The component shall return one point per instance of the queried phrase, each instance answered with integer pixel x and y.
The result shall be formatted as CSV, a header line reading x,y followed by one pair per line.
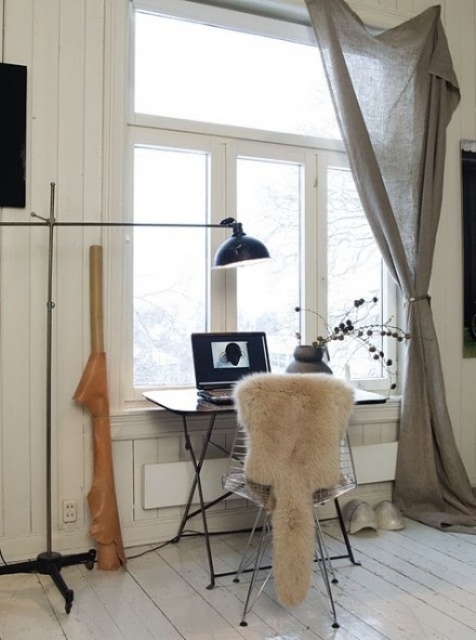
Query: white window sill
x,y
147,421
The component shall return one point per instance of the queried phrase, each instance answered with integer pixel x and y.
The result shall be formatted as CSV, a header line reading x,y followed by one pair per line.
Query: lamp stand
x,y
237,249
50,562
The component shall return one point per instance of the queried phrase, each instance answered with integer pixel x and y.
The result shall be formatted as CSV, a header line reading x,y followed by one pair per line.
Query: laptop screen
x,y
221,359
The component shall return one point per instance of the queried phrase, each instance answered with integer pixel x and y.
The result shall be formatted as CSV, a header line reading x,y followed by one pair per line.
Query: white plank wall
x,y
73,122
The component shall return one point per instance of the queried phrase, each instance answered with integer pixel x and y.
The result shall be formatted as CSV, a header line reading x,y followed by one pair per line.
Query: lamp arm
x,y
56,223
180,225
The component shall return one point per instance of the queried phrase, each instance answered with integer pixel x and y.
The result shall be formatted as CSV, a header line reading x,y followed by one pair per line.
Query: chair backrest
x,y
289,451
234,479
293,423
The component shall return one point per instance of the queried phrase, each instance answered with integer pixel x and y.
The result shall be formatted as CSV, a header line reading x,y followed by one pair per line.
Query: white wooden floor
x,y
417,583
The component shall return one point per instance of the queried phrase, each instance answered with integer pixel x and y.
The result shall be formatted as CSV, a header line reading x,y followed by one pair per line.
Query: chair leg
x,y
247,557
325,567
263,543
323,560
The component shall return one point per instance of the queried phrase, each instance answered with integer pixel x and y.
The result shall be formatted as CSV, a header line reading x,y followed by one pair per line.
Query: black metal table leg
x,y
197,486
350,552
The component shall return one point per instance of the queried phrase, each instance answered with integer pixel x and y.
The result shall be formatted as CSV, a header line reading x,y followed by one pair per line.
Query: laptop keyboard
x,y
219,396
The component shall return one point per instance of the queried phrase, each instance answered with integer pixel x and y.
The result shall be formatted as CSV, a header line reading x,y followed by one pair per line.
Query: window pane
x,y
170,265
211,74
270,205
213,77
354,271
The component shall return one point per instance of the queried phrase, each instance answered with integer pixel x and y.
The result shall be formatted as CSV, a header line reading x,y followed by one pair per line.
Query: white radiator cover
x,y
167,484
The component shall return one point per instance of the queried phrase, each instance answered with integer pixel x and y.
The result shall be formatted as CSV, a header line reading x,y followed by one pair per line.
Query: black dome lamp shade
x,y
239,249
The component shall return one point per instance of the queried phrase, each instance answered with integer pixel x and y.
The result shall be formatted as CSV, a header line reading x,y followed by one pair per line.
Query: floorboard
x,y
412,584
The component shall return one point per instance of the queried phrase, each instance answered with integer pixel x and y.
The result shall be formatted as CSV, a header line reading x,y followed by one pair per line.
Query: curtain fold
x,y
394,95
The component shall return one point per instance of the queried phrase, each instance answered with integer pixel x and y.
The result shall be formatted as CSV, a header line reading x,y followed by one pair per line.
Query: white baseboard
x,y
156,531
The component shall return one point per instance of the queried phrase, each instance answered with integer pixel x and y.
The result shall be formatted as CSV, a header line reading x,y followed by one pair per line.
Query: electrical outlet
x,y
70,510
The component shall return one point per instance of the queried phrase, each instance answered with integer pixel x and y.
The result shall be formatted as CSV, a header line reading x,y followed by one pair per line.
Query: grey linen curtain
x,y
394,95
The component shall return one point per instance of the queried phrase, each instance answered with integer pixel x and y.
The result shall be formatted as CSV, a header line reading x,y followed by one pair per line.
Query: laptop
x,y
221,359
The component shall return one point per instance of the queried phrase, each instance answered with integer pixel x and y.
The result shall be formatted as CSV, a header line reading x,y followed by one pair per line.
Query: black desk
x,y
185,403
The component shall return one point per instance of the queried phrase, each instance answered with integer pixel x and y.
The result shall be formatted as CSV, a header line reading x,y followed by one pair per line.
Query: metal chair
x,y
237,478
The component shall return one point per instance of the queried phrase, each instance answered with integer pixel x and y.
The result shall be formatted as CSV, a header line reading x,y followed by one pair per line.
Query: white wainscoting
x,y
153,473
162,470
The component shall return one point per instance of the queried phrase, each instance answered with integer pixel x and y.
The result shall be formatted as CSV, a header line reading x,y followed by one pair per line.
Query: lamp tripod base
x,y
50,563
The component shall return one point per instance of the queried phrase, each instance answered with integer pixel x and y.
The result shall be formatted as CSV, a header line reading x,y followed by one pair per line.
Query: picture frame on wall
x,y
13,96
468,182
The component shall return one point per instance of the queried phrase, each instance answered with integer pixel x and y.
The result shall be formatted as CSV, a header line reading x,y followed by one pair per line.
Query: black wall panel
x,y
12,135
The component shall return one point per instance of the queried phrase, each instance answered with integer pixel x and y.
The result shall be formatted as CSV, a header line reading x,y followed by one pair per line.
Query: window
x,y
231,117
222,74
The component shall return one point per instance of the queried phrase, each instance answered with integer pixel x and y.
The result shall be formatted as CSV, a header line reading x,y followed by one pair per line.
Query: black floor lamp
x,y
237,249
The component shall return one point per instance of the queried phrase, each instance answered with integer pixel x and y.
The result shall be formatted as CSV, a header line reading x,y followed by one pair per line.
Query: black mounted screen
x,y
12,135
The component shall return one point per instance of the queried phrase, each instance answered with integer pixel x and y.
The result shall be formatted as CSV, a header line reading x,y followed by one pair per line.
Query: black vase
x,y
308,359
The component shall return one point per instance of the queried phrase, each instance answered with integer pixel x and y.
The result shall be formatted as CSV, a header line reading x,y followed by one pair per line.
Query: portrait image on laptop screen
x,y
230,354
221,359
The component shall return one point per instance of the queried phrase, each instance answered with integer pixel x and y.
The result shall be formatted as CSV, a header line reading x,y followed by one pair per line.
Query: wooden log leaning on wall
x,y
92,392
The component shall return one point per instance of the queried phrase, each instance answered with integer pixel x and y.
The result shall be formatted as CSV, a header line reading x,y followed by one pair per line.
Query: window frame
x,y
118,192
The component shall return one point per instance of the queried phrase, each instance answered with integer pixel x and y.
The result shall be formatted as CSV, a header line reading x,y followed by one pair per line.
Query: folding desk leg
x,y
197,485
350,552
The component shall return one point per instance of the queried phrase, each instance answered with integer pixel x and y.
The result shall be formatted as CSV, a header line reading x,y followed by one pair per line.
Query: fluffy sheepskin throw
x,y
294,423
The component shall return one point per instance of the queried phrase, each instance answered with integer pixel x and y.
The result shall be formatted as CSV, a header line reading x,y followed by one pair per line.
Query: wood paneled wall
x,y
65,44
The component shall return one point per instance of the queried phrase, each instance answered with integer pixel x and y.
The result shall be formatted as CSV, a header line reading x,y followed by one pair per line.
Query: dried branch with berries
x,y
355,324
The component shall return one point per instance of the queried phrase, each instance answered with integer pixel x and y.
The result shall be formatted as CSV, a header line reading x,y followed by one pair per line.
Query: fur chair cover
x,y
294,423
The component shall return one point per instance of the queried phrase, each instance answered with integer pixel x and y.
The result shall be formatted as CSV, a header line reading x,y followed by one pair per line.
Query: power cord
x,y
188,533
143,553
